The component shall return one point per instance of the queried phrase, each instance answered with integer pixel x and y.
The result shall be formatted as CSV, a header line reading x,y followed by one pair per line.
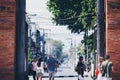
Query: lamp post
x,y
94,60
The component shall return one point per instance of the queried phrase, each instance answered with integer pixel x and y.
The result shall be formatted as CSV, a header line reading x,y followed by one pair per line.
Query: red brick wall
x,y
7,39
113,34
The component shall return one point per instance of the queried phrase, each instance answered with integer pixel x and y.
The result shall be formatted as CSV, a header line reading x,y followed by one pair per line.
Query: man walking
x,y
107,68
52,67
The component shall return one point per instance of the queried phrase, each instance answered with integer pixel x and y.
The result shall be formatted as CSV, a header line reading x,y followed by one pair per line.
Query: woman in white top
x,y
34,67
37,71
40,71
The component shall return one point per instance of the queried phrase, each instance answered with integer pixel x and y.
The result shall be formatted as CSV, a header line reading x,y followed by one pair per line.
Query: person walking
x,y
51,67
37,71
40,70
80,68
34,67
107,68
99,76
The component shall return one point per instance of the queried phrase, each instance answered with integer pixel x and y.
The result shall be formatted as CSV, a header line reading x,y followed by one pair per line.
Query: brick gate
x,y
12,38
113,34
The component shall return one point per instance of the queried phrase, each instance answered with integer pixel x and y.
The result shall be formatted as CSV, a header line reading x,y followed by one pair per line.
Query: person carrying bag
x,y
107,68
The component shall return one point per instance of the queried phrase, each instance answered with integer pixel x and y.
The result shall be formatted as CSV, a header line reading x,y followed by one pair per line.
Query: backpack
x,y
30,67
104,70
76,69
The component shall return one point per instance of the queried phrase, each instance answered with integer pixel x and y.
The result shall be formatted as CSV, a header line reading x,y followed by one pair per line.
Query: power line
x,y
83,15
64,34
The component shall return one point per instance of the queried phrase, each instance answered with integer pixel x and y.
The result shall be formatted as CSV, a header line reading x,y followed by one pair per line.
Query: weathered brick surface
x,y
113,34
7,39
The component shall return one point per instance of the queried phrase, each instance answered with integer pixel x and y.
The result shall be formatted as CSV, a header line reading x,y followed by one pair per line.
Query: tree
x,y
80,50
79,15
90,43
58,48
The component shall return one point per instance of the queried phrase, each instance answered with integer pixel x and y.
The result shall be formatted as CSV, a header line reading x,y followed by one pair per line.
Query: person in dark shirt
x,y
80,68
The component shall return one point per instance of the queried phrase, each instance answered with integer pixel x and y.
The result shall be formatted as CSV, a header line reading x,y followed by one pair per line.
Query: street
x,y
65,72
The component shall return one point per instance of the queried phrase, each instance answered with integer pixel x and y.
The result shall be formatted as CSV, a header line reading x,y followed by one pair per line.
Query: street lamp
x,y
94,60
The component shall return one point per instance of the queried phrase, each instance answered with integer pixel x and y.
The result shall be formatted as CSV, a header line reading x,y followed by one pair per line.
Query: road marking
x,y
65,76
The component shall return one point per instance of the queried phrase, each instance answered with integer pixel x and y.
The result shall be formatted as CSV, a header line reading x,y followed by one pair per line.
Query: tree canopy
x,y
79,15
58,48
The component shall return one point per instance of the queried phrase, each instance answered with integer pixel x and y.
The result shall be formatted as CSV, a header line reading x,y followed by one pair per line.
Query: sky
x,y
43,20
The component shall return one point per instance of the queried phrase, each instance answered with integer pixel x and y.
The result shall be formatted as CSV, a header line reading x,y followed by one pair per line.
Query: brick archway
x,y
113,34
12,40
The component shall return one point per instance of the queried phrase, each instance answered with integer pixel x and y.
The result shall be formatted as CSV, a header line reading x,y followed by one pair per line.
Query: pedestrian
x,y
107,68
40,70
51,67
99,70
34,67
80,68
39,73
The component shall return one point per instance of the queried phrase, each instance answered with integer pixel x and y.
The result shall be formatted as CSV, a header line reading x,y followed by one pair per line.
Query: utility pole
x,y
95,45
85,45
43,49
38,45
100,28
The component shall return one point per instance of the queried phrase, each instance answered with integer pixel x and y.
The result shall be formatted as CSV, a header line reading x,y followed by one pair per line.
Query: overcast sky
x,y
43,20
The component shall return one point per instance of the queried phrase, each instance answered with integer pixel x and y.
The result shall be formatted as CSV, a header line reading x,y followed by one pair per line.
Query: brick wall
x,y
7,39
113,34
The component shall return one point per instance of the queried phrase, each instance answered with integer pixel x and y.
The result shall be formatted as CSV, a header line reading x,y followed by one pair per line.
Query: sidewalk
x,y
87,76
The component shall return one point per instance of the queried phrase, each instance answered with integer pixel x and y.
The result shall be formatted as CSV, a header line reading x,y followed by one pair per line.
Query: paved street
x,y
65,72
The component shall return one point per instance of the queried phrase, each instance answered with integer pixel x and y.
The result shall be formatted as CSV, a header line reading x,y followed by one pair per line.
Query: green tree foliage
x,y
90,43
79,15
29,56
58,48
80,49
